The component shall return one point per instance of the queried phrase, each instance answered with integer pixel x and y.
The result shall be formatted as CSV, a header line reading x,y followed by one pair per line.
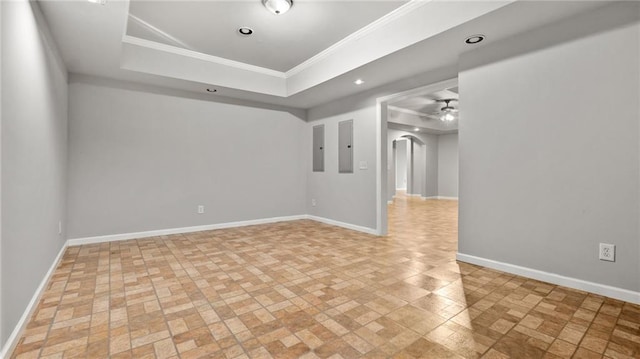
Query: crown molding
x,y
394,15
132,40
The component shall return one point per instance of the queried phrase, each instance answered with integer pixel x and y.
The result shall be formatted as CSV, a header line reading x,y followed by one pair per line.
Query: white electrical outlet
x,y
607,252
313,202
200,209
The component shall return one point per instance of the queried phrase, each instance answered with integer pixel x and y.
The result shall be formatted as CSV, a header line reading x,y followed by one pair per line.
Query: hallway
x,y
431,225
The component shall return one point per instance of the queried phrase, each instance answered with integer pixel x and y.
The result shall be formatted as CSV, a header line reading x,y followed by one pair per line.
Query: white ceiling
x,y
415,38
279,42
428,104
423,111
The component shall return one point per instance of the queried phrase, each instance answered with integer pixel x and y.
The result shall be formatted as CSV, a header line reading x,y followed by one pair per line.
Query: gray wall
x,y
552,168
345,197
417,168
448,165
34,157
144,161
401,164
352,198
431,183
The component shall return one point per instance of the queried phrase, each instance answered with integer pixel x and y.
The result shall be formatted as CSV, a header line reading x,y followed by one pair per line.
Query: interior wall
x,y
401,164
448,165
2,340
391,171
417,164
337,195
552,168
143,161
354,200
34,156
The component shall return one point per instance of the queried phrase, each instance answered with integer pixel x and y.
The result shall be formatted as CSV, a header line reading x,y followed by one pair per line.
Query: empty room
x,y
319,179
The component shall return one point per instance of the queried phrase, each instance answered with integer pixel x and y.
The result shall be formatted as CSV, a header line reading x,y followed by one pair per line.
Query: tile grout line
x,y
57,306
155,292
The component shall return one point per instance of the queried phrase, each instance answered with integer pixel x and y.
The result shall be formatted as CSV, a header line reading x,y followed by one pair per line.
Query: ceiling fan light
x,y
447,117
278,7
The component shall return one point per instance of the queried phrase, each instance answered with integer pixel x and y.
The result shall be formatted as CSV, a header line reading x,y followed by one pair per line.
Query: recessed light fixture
x,y
212,90
358,81
416,129
474,39
278,7
101,2
245,31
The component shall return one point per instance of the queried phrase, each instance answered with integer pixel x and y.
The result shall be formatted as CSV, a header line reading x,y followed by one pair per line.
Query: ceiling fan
x,y
447,113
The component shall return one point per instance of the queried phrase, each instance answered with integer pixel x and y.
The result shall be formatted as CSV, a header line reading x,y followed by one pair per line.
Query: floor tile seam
x,y
124,293
609,336
44,342
155,290
109,303
93,303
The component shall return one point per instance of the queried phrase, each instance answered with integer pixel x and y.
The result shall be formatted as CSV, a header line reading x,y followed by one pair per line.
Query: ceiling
x,y
279,42
423,112
306,57
428,104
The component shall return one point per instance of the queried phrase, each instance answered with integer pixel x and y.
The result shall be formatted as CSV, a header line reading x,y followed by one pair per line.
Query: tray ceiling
x,y
300,59
279,42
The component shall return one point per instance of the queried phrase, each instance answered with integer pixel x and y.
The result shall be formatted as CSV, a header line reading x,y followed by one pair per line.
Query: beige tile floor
x,y
310,290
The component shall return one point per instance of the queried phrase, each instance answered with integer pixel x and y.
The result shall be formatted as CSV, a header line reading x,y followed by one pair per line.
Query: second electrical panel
x,y
345,146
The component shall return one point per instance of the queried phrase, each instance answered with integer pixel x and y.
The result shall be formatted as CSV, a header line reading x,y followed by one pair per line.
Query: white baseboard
x,y
344,225
596,288
209,227
169,231
441,197
13,339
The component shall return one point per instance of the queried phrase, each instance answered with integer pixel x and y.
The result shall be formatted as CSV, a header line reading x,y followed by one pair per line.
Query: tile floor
x,y
309,290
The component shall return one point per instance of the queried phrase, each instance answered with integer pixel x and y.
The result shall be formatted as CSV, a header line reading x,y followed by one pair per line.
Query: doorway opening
x,y
407,163
417,151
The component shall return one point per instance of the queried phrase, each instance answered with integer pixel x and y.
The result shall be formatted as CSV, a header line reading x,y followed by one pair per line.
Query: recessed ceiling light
x,y
245,31
101,2
278,7
474,39
358,81
416,129
212,90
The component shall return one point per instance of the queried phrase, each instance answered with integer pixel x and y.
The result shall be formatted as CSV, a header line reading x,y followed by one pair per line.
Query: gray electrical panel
x,y
318,148
345,146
